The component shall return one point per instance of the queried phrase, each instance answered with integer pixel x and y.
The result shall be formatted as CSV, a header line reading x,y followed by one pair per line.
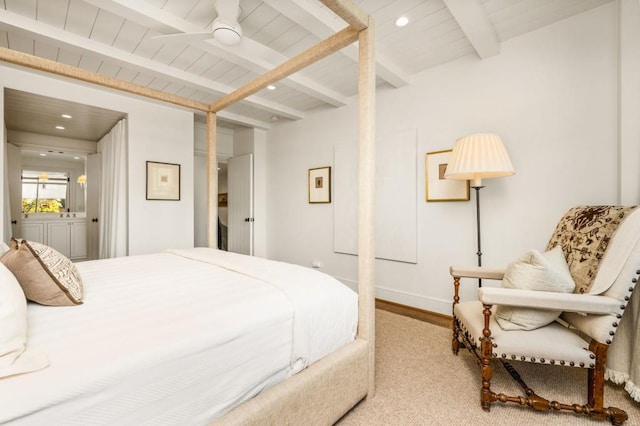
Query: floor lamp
x,y
476,157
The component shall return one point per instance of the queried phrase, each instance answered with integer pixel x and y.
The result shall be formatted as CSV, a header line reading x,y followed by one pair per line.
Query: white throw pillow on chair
x,y
546,271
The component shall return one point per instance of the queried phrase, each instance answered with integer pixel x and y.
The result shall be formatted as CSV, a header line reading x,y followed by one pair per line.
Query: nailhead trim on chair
x,y
466,333
543,361
615,324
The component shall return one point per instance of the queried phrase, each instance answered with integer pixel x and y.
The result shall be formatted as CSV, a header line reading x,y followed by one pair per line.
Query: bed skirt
x,y
320,394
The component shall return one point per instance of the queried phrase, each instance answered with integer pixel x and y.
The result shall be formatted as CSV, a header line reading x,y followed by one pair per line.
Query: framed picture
x,y
320,185
163,181
441,189
222,200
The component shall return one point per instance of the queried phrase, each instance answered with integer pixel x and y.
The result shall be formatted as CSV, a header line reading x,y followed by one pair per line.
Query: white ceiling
x,y
115,38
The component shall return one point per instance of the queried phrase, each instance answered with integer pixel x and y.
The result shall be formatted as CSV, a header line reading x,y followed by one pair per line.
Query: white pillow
x,y
15,358
3,248
534,271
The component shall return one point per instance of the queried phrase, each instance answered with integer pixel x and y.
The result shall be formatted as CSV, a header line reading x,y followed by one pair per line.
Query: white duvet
x,y
176,338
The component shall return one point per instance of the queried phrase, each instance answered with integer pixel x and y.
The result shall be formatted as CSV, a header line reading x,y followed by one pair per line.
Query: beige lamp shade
x,y
43,177
479,156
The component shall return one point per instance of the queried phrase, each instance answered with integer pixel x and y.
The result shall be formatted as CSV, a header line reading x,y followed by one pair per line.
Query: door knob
x,y
14,222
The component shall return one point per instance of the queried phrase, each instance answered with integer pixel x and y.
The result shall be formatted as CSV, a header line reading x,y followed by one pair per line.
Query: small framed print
x,y
320,185
222,199
437,187
163,181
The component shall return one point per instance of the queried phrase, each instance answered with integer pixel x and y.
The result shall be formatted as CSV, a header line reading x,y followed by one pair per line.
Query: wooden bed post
x,y
212,181
366,200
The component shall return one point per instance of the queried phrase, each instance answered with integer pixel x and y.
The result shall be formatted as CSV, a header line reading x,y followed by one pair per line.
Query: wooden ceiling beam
x,y
308,57
349,12
249,54
64,70
322,22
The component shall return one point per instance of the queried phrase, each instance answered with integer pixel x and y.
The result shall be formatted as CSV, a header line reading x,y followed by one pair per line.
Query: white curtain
x,y
113,192
7,200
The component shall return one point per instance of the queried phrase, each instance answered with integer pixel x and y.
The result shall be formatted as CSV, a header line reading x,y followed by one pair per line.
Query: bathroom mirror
x,y
52,182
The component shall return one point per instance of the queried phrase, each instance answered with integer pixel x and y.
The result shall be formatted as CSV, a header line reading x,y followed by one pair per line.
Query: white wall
x,y
157,132
629,87
550,94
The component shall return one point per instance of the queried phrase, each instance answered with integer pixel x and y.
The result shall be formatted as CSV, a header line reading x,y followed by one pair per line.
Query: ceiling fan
x,y
225,28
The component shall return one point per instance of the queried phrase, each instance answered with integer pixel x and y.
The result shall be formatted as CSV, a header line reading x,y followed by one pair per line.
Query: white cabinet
x,y
78,240
58,237
69,237
33,231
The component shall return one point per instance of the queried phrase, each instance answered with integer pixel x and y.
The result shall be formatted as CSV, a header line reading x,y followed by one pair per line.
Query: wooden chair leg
x,y
455,343
595,377
595,388
486,348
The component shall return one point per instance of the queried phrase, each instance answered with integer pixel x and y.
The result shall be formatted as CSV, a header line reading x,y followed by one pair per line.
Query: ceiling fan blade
x,y
228,11
184,37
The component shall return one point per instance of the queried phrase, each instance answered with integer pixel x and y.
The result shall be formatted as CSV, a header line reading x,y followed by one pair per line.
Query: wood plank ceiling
x,y
116,38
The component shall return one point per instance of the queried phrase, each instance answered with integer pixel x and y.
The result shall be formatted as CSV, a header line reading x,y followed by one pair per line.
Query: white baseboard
x,y
430,304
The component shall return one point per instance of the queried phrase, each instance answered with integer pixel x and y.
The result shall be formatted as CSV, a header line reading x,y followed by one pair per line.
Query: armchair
x,y
602,247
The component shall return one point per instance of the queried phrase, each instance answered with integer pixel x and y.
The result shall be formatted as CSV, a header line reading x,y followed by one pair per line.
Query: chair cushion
x,y
534,271
530,346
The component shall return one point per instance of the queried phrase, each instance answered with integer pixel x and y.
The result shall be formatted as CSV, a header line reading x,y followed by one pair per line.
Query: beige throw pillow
x,y
14,356
46,276
534,271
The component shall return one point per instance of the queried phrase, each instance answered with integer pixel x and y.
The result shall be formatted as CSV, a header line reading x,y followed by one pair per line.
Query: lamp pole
x,y
479,252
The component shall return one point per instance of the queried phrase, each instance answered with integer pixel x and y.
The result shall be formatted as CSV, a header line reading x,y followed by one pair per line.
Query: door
x,y
240,204
14,162
94,171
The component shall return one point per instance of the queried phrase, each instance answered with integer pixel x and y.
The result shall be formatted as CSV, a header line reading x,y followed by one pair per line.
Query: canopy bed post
x,y
366,200
212,180
328,388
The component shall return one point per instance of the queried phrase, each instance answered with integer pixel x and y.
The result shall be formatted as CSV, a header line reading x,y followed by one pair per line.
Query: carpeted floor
x,y
420,382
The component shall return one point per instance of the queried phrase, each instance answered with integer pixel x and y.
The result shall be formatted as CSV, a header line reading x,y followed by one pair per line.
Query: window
x,y
44,191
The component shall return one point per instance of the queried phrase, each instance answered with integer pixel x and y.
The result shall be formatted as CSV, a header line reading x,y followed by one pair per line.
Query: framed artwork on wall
x,y
222,199
437,187
163,181
320,185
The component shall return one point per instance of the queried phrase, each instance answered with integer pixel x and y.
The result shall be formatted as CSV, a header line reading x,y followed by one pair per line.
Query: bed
x,y
329,387
179,337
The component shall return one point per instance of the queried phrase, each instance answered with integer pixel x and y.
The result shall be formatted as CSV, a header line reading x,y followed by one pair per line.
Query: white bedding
x,y
176,338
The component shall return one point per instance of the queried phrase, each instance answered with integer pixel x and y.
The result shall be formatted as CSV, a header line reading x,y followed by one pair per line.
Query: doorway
x,y
55,131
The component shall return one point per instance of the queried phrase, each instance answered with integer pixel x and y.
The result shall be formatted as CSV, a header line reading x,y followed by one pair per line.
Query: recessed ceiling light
x,y
402,21
76,158
60,127
66,116
42,154
271,87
